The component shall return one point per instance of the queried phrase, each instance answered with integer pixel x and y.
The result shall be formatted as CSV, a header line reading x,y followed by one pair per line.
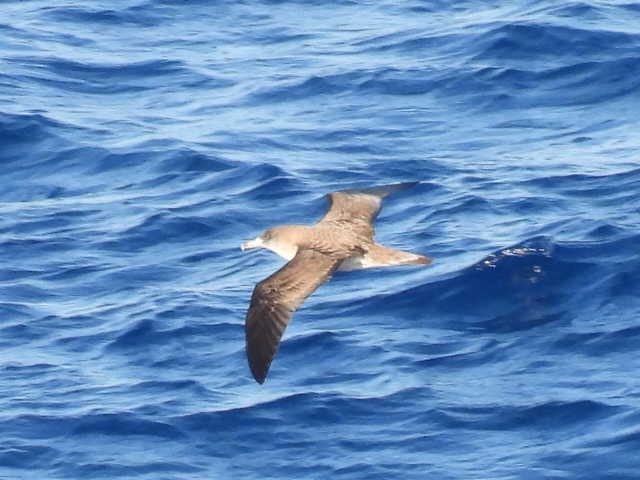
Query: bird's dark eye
x,y
266,236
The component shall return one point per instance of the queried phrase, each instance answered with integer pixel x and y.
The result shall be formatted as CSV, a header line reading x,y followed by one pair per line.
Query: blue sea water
x,y
141,141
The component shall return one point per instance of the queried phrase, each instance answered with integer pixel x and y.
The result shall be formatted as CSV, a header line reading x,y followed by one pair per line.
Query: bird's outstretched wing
x,y
275,299
357,209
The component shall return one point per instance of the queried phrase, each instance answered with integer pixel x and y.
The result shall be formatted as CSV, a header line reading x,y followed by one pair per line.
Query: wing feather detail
x,y
358,209
275,299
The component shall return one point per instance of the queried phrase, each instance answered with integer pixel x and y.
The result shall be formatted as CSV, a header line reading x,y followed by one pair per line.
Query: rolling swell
x,y
142,142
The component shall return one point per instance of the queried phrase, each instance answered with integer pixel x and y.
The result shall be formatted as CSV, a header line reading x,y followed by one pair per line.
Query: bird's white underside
x,y
285,250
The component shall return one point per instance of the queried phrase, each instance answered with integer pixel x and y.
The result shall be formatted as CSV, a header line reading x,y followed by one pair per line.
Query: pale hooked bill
x,y
341,240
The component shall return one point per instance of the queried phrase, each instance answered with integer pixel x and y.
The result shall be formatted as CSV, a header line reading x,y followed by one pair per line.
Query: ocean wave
x,y
113,78
553,44
571,414
25,457
18,131
147,332
129,16
487,86
50,426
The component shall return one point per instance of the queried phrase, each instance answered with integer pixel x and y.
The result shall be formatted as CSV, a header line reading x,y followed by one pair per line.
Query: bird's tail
x,y
380,256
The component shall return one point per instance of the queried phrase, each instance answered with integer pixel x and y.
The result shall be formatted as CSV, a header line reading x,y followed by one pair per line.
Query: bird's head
x,y
261,241
282,240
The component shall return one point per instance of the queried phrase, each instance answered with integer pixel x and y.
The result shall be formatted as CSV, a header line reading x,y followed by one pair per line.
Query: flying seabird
x,y
341,240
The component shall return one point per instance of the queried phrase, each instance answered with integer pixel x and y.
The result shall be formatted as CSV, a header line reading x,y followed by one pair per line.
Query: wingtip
x,y
258,371
259,377
425,260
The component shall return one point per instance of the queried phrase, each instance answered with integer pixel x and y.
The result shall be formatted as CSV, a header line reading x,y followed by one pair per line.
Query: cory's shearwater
x,y
341,240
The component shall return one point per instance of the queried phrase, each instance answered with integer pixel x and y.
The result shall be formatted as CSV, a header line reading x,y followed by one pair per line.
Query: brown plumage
x,y
342,240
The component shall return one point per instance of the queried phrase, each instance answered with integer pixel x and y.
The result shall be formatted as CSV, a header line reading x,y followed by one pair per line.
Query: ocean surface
x,y
141,141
